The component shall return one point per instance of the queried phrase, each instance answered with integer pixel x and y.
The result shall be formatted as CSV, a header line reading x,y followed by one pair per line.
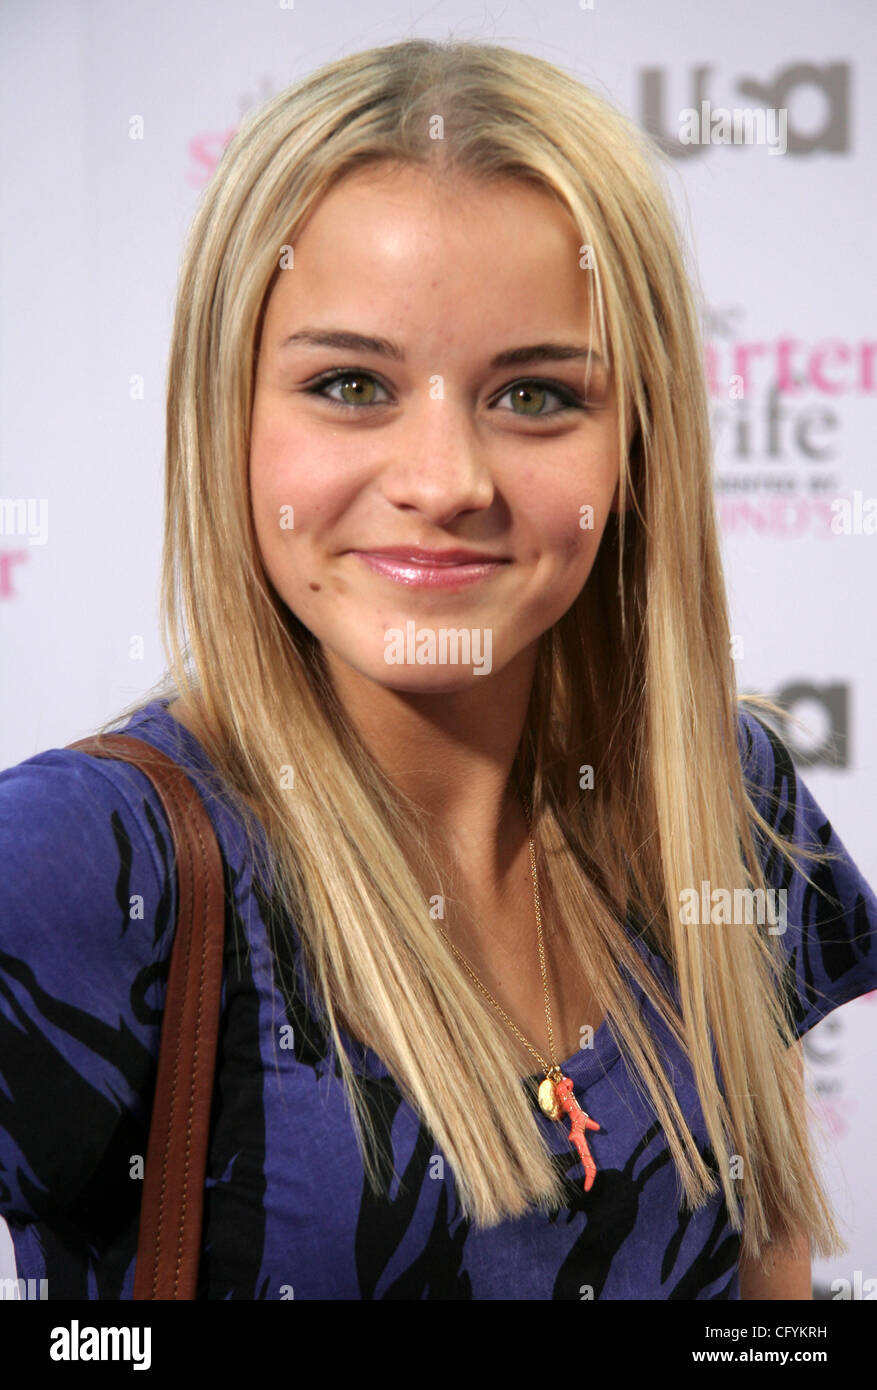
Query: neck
x,y
452,755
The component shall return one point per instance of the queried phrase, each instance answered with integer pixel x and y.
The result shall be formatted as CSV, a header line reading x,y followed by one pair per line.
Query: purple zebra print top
x,y
287,1212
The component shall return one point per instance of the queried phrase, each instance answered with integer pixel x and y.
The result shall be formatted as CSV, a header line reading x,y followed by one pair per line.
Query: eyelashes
x,y
568,398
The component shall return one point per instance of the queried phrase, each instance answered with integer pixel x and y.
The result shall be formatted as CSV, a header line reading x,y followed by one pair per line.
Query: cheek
x,y
568,523
293,486
287,502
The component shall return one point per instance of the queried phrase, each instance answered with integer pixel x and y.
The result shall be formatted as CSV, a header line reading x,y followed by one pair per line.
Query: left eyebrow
x,y
344,341
546,352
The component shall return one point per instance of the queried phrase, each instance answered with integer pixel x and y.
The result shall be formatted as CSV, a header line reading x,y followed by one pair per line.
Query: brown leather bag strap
x,y
171,1213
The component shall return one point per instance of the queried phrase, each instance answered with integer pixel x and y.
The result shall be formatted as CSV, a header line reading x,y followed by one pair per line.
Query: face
x,y
424,481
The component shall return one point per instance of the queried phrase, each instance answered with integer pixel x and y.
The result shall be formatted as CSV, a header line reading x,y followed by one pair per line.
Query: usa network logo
x,y
816,726
785,93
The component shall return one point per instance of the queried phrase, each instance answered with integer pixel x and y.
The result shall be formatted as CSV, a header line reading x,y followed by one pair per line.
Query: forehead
x,y
385,235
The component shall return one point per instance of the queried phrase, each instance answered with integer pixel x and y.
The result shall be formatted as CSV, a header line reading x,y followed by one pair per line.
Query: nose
x,y
438,466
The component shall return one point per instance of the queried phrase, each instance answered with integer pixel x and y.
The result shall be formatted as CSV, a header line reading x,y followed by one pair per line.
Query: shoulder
x,y
828,919
768,769
781,796
72,829
87,903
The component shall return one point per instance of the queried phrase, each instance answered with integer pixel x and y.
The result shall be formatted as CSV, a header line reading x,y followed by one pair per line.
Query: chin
x,y
435,680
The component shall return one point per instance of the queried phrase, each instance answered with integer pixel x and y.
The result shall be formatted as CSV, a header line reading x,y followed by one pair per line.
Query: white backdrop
x,y
90,240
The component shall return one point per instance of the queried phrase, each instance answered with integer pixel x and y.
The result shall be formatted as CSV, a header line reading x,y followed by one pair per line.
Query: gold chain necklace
x,y
556,1096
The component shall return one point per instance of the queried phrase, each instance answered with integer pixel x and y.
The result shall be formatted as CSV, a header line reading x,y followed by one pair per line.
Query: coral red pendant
x,y
556,1098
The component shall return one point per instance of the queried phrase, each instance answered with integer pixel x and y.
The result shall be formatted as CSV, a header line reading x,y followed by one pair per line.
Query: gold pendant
x,y
548,1102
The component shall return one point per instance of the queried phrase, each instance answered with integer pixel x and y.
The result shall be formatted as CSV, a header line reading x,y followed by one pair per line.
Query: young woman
x,y
449,661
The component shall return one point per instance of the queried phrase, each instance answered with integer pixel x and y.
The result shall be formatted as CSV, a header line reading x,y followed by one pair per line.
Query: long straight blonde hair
x,y
635,680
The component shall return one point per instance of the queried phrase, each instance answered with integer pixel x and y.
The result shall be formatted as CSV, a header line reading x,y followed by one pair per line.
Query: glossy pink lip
x,y
430,569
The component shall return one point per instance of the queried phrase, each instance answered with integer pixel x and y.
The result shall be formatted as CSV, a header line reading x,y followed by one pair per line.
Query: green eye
x,y
530,397
358,387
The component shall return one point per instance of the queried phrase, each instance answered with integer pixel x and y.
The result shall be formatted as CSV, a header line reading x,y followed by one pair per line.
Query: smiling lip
x,y
431,568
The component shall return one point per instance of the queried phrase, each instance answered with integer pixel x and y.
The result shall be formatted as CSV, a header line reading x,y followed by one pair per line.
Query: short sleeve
x,y
829,936
87,910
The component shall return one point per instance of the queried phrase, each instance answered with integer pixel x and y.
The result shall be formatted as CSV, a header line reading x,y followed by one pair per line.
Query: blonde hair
x,y
636,679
